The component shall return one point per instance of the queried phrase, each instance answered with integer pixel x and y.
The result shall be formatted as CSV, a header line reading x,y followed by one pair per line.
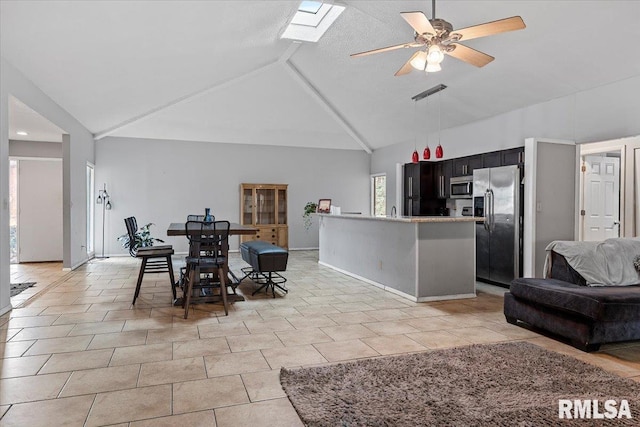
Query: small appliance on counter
x,y
467,211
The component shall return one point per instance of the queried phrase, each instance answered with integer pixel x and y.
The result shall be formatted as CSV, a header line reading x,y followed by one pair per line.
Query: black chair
x,y
155,259
206,256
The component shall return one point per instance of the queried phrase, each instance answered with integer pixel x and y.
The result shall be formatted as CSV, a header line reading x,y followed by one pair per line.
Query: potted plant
x,y
309,208
142,239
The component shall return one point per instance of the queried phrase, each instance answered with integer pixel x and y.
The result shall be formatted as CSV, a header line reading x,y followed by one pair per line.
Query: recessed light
x,y
21,132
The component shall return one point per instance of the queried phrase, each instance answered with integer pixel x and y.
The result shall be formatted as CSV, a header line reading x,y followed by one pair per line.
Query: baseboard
x,y
6,309
397,292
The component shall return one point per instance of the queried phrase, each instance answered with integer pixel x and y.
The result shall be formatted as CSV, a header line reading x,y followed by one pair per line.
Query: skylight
x,y
311,21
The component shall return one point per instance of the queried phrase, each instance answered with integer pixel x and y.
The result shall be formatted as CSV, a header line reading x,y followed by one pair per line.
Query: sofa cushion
x,y
606,304
606,263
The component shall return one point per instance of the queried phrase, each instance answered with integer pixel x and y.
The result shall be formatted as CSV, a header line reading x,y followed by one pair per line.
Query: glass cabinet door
x,y
282,206
247,202
265,206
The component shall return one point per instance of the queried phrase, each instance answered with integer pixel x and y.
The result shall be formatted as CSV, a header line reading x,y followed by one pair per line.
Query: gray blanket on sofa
x,y
607,263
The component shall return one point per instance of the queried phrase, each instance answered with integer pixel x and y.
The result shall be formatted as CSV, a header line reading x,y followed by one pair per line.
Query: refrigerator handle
x,y
492,224
486,210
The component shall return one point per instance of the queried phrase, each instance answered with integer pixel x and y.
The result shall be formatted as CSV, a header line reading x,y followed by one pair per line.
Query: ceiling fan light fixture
x,y
435,54
420,61
433,67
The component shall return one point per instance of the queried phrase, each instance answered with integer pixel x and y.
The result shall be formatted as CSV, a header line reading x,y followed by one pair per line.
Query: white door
x,y
40,210
601,197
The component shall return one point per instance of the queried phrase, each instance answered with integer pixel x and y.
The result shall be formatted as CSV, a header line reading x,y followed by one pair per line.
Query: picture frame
x,y
324,206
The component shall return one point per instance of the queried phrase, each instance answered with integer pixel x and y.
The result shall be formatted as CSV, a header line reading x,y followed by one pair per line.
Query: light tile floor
x,y
75,352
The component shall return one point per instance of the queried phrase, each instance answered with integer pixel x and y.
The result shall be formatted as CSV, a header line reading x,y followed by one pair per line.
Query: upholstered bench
x,y
266,260
562,304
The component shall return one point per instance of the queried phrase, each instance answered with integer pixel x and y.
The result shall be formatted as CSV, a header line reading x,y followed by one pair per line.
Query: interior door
x,y
601,197
40,210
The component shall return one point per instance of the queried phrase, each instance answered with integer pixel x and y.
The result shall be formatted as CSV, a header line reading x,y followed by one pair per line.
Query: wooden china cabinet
x,y
264,206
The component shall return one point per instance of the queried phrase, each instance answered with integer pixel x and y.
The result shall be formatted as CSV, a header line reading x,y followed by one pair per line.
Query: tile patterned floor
x,y
75,352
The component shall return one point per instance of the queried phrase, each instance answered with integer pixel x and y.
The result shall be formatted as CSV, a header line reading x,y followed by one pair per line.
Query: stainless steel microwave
x,y
461,187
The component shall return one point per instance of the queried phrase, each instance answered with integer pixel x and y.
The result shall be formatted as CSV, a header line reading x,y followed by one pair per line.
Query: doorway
x,y
13,212
601,195
40,210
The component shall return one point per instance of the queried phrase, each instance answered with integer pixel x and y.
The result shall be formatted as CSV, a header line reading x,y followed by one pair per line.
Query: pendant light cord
x,y
439,114
415,120
427,122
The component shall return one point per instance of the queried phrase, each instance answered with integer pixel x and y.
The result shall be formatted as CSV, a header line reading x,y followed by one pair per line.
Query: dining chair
x,y
205,256
197,218
155,259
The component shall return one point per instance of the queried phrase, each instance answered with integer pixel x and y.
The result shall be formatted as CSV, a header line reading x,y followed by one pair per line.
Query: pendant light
x,y
439,151
426,154
415,157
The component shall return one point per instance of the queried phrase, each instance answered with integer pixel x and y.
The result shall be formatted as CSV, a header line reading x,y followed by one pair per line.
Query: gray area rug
x,y
511,384
16,288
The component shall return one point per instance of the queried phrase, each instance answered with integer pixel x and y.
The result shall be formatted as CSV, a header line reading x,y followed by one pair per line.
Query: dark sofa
x,y
563,305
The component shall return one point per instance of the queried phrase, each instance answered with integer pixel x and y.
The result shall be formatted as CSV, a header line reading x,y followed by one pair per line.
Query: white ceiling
x,y
23,118
209,70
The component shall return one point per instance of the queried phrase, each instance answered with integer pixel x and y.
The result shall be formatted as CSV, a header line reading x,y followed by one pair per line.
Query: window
x,y
90,209
379,195
311,21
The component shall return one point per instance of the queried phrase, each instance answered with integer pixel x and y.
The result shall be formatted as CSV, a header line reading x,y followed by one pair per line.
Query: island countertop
x,y
409,218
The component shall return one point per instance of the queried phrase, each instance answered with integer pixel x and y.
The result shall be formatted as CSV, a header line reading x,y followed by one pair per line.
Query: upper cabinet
x,y
492,160
444,170
513,156
463,166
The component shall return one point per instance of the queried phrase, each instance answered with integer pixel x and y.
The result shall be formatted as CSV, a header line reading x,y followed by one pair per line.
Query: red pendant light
x,y
426,154
439,152
415,158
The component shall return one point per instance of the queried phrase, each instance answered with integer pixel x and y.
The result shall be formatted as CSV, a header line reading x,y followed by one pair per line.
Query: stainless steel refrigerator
x,y
497,197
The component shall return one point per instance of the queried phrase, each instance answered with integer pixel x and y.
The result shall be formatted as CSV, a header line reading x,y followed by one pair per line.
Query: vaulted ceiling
x,y
218,71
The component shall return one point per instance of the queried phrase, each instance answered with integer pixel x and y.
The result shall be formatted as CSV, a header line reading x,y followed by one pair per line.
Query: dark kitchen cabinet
x,y
420,195
513,156
492,159
444,170
465,165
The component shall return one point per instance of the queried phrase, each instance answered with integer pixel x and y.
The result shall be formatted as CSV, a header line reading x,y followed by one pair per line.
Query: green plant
x,y
309,209
142,239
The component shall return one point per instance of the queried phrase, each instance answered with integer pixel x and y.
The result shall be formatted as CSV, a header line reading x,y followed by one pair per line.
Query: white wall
x,y
603,113
80,150
554,202
162,181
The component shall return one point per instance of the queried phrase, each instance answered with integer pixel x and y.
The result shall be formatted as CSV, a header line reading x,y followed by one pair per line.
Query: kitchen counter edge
x,y
409,218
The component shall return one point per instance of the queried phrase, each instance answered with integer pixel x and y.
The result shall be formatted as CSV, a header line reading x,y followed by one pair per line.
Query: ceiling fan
x,y
436,37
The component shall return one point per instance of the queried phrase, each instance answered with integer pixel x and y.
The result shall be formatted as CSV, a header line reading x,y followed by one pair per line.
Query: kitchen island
x,y
419,258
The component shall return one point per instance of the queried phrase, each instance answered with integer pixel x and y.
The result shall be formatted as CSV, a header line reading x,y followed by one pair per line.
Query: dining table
x,y
179,229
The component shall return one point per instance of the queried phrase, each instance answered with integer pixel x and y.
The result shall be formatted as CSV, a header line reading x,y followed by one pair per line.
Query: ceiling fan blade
x,y
418,22
407,67
472,56
490,28
384,49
